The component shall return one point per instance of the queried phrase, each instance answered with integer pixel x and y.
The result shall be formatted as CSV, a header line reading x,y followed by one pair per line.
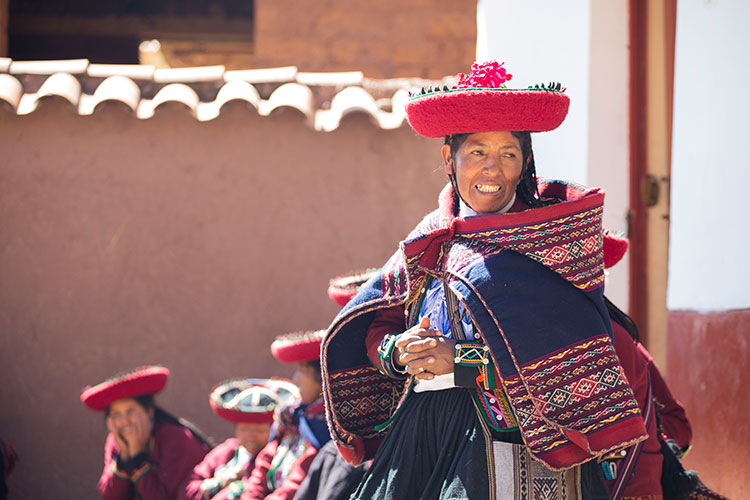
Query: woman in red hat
x,y
148,452
300,428
249,404
479,362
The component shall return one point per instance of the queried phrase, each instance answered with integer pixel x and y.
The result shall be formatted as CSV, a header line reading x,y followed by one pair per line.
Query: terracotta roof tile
x,y
290,95
11,90
134,71
236,90
172,93
114,88
58,86
72,66
268,75
194,74
322,98
339,79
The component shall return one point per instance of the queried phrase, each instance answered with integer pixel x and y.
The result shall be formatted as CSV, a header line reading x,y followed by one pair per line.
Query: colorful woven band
x,y
385,361
471,354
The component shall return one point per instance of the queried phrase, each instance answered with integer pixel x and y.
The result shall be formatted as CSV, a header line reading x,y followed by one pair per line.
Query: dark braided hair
x,y
621,318
527,190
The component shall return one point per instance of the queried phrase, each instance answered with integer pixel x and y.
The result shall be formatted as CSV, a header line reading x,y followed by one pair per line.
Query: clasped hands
x,y
424,352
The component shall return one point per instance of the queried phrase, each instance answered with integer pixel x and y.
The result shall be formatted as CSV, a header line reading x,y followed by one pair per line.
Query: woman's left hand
x,y
430,361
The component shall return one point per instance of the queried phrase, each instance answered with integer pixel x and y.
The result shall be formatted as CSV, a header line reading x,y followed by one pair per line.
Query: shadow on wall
x,y
129,242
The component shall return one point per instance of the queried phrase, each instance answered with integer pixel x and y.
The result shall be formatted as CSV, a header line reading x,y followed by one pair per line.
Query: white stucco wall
x,y
584,45
710,228
543,41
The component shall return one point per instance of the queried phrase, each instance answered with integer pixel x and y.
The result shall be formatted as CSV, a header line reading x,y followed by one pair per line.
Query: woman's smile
x,y
487,188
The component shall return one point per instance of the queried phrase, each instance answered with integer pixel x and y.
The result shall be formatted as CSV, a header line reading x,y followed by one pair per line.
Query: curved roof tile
x,y
11,90
356,99
72,66
114,88
236,90
59,85
267,75
323,98
174,92
134,71
291,95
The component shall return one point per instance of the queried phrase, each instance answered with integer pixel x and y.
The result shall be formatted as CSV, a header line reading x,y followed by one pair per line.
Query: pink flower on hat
x,y
488,75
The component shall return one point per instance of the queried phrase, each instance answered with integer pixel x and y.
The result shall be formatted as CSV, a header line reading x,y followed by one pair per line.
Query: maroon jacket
x,y
646,479
174,452
223,453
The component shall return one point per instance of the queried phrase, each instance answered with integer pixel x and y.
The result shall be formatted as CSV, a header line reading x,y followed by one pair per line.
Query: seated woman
x,y
148,452
249,404
479,362
299,430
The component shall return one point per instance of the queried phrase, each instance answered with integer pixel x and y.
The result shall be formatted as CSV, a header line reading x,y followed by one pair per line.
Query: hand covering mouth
x,y
487,188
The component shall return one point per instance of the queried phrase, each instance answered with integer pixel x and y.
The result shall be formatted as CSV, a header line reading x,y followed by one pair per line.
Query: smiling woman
x,y
148,452
478,362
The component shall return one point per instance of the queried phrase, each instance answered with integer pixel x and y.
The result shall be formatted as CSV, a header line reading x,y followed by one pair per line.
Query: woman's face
x,y
252,436
306,378
128,418
488,168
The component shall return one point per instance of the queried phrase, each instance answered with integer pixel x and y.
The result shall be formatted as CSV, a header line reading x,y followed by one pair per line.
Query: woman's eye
x,y
477,152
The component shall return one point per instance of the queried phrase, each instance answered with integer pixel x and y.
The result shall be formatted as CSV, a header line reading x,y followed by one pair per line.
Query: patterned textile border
x,y
580,388
364,398
568,245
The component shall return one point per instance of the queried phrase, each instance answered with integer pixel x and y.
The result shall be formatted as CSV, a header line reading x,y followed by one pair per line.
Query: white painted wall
x,y
543,41
584,45
710,227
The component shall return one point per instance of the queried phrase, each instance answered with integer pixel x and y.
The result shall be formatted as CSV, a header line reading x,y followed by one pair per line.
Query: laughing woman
x,y
148,452
478,363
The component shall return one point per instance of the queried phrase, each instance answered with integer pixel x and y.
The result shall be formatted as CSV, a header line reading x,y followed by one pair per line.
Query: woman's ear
x,y
447,160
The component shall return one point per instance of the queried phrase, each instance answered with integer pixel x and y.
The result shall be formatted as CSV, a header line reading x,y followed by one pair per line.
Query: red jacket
x,y
257,487
174,453
223,453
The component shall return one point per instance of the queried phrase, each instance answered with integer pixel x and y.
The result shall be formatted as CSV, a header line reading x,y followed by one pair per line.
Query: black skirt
x,y
435,449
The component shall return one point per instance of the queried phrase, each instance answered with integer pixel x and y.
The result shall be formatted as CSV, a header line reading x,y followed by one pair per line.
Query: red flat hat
x,y
298,346
137,382
251,400
614,248
342,288
481,102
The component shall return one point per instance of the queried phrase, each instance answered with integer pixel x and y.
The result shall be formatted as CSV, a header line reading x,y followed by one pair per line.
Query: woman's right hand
x,y
412,346
122,444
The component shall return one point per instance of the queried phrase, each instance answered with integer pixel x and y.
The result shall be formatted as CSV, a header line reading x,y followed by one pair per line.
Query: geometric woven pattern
x,y
581,387
363,398
519,477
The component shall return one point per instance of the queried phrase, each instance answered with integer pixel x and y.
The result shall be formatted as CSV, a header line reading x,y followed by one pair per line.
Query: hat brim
x,y
281,389
298,347
457,111
141,381
342,288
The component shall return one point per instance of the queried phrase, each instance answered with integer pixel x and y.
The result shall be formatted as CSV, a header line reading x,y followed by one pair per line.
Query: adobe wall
x,y
406,38
128,242
708,360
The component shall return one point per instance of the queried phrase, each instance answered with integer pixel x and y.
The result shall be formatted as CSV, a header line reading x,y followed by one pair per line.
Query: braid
x,y
620,317
527,189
